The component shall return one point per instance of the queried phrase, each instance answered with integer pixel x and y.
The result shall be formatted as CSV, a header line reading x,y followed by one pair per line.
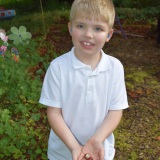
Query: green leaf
x,y
27,42
5,115
26,35
32,101
38,151
12,36
36,117
22,29
39,71
15,30
2,91
1,42
17,41
1,129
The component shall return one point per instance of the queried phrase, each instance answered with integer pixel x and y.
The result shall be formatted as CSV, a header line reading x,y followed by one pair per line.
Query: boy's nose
x,y
88,34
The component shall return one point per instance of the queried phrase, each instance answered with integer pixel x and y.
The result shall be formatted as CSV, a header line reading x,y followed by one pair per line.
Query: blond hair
x,y
93,9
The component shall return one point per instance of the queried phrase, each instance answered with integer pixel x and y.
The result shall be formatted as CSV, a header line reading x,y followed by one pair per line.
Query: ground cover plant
x,y
23,124
20,121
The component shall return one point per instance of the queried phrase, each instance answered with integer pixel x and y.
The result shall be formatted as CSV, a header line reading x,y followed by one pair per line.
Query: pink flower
x,y
3,48
5,39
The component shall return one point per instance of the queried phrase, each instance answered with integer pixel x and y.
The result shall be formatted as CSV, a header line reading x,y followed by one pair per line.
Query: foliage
x,y
18,36
21,6
140,82
20,114
137,10
16,143
138,4
24,7
56,5
137,15
34,21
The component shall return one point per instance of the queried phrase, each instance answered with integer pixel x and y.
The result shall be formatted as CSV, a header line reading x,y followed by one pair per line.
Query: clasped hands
x,y
92,150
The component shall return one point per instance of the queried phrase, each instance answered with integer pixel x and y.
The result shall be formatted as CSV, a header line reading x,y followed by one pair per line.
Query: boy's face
x,y
89,35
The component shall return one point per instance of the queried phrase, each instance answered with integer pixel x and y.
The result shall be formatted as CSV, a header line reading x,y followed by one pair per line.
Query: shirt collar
x,y
103,65
77,64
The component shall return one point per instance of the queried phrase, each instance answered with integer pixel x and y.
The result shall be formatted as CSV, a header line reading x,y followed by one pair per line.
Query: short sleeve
x,y
50,94
118,94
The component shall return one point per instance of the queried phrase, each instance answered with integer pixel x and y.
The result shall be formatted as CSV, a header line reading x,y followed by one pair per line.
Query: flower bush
x,y
3,43
21,117
18,36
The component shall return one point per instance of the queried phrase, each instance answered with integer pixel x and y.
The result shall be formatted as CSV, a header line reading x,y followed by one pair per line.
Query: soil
x,y
138,135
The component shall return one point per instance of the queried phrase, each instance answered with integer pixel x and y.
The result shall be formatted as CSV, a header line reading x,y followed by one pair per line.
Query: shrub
x,y
137,15
21,116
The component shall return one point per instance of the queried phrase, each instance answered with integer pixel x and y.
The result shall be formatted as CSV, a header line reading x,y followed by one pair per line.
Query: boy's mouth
x,y
87,43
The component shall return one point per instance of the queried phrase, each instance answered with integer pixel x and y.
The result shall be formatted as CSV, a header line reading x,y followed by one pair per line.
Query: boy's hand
x,y
94,148
76,152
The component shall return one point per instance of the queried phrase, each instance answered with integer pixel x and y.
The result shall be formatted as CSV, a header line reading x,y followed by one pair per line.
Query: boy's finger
x,y
81,157
101,155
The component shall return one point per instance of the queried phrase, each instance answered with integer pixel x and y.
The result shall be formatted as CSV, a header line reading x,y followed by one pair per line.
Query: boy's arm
x,y
109,124
60,128
94,145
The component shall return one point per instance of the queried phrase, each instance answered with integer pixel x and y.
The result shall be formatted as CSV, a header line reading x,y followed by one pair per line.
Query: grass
x,y
34,21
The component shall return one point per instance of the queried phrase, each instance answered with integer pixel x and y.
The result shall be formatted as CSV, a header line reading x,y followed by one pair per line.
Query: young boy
x,y
84,89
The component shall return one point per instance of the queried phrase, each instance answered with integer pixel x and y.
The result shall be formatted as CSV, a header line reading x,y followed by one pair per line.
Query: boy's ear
x,y
70,28
110,33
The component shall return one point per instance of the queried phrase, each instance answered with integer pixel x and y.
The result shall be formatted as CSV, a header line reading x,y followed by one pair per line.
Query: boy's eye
x,y
98,29
79,26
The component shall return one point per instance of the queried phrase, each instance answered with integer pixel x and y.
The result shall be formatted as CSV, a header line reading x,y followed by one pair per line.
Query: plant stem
x,y
44,27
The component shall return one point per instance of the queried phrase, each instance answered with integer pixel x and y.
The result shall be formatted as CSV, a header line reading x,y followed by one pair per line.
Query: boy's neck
x,y
92,61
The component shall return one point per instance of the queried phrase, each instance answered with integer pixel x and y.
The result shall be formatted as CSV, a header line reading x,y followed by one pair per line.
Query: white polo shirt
x,y
85,97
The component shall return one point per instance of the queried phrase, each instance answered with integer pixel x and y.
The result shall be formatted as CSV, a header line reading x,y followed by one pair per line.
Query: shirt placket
x,y
90,88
